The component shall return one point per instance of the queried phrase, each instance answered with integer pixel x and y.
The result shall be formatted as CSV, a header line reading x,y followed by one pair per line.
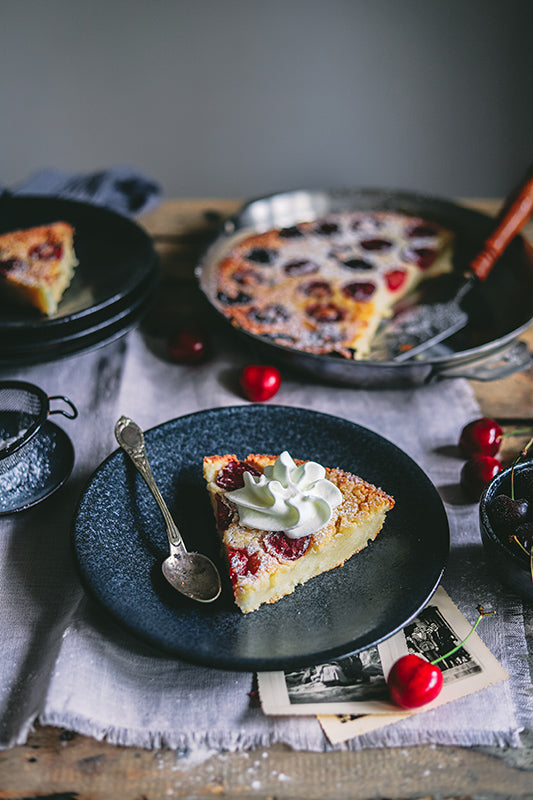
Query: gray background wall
x,y
244,97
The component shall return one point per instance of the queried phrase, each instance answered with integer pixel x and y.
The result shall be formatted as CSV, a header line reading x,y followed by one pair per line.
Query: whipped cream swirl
x,y
298,500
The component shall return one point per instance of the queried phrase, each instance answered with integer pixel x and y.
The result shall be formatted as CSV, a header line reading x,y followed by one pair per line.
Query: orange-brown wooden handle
x,y
513,219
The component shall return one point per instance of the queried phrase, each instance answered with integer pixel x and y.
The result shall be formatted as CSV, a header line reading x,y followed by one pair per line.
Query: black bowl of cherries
x,y
506,523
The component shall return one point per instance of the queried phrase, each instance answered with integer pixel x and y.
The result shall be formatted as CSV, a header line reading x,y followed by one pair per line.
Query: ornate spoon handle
x,y
130,437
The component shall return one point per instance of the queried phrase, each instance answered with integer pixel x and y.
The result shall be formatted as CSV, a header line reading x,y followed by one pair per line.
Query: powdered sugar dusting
x,y
323,286
27,475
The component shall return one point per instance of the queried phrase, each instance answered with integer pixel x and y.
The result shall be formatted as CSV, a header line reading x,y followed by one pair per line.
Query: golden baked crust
x,y
37,265
265,566
323,286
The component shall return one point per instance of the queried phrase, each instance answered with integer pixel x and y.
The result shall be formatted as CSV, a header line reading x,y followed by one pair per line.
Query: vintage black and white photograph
x,y
353,690
430,636
357,677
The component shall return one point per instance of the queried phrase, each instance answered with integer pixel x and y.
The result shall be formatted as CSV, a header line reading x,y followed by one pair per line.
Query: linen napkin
x,y
123,189
69,665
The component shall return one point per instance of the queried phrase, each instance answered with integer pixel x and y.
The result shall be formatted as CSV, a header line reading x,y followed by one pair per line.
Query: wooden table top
x,y
62,764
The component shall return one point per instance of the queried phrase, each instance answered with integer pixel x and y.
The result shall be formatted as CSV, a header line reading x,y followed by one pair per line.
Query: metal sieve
x,y
23,410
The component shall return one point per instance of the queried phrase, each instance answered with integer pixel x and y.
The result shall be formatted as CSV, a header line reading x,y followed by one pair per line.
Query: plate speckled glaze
x,y
120,541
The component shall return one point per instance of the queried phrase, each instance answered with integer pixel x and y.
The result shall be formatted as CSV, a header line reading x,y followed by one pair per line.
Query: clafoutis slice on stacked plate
x,y
37,265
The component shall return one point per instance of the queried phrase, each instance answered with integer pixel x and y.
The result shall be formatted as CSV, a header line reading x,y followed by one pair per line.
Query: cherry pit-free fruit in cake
x,y
37,265
324,286
283,522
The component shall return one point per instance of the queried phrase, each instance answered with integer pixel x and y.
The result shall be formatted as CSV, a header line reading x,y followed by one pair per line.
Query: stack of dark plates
x,y
112,287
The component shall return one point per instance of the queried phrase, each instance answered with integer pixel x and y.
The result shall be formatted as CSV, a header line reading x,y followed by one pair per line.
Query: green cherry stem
x,y
520,545
482,613
520,455
526,551
517,432
529,552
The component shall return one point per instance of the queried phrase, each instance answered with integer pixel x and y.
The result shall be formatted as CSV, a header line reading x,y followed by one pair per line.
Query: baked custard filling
x,y
302,520
323,286
37,265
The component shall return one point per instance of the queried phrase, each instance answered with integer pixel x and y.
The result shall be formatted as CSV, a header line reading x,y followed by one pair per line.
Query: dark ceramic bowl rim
x,y
509,550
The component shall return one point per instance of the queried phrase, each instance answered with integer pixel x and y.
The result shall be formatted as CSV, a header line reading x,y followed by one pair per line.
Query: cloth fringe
x,y
518,658
234,741
217,741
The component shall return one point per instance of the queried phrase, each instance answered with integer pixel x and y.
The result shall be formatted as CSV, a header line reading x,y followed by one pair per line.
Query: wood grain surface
x,y
63,765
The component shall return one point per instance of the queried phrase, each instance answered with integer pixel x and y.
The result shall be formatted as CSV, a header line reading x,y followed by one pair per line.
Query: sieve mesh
x,y
23,409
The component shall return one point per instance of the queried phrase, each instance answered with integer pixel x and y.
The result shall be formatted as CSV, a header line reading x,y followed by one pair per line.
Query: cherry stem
x,y
529,552
520,455
482,613
519,543
517,432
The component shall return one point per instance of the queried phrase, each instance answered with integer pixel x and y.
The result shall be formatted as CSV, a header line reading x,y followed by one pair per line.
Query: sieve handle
x,y
73,411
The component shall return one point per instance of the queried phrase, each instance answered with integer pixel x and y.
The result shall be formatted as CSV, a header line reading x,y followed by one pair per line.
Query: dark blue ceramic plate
x,y
100,334
120,541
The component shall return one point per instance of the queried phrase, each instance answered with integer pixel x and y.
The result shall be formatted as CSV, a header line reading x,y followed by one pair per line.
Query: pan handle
x,y
516,357
514,215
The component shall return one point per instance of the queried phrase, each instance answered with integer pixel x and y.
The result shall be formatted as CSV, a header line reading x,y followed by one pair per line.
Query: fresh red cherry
x,y
477,472
413,682
507,513
482,436
260,383
188,346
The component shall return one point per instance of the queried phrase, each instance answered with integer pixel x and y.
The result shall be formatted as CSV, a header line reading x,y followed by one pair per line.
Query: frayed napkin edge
x,y
234,741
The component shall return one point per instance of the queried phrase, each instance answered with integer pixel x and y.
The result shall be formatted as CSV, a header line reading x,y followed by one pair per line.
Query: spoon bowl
x,y
192,574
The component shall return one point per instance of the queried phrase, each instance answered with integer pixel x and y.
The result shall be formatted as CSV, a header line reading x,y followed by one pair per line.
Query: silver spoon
x,y
192,574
